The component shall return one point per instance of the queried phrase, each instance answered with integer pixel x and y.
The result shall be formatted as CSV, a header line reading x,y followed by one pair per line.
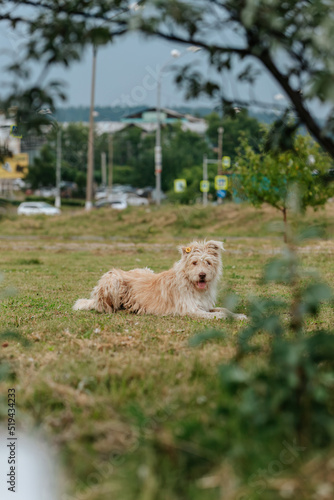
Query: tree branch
x,y
216,48
69,11
297,102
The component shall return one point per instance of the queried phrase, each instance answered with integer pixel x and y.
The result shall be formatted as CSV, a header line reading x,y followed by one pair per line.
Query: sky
x,y
126,74
127,71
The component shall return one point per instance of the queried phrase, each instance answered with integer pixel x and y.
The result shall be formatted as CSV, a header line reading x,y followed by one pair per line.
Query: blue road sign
x,y
221,193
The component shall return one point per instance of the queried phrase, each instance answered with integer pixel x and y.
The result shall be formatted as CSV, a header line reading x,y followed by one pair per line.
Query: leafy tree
x,y
133,155
54,34
135,149
74,146
74,157
239,36
245,38
181,150
235,126
272,176
43,170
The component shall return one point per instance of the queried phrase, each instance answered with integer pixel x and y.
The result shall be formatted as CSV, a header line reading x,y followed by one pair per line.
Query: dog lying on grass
x,y
189,288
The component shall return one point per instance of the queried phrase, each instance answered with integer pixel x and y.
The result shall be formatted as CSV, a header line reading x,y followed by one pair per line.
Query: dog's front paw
x,y
218,315
240,317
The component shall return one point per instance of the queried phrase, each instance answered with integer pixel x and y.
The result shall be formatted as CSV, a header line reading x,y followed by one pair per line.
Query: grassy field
x,y
110,392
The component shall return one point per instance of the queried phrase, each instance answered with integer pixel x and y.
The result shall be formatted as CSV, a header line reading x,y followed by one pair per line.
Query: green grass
x,y
101,387
151,225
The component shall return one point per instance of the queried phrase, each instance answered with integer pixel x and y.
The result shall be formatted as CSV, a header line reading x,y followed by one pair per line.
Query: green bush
x,y
5,201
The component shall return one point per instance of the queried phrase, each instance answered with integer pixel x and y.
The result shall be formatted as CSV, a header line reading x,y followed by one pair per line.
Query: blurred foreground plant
x,y
6,371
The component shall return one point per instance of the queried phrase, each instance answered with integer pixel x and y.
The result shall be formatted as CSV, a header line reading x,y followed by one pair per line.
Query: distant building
x,y
8,142
13,163
146,119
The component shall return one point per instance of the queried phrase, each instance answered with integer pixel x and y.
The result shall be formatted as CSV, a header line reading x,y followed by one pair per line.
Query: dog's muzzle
x,y
201,284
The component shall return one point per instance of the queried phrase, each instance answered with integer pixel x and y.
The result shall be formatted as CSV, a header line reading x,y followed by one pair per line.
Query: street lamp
x,y
175,54
90,156
47,111
58,170
157,150
134,6
220,149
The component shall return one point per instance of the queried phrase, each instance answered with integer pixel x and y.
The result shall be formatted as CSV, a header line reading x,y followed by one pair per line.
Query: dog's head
x,y
201,262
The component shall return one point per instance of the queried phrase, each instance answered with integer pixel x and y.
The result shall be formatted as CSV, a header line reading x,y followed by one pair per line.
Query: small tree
x,y
270,177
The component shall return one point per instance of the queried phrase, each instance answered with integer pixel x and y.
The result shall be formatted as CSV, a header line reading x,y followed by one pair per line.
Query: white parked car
x,y
119,204
100,194
46,192
136,201
37,207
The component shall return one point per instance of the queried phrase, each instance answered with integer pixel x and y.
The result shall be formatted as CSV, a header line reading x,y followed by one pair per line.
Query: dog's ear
x,y
184,250
215,245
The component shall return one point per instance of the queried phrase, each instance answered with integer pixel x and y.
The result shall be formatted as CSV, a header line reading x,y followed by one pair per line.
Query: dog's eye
x,y
195,263
208,263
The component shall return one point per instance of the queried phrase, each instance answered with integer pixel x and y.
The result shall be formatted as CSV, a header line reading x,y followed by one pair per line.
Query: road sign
x,y
14,132
226,161
14,167
180,185
204,186
221,193
221,182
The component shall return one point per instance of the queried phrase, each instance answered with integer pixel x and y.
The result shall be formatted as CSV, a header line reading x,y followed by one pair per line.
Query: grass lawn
x,y
103,388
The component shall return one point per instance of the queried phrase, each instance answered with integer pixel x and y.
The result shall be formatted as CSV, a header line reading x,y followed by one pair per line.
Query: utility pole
x,y
58,170
110,161
205,178
220,150
220,154
90,162
104,169
157,149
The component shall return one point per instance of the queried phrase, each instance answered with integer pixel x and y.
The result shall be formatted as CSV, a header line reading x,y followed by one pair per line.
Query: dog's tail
x,y
84,305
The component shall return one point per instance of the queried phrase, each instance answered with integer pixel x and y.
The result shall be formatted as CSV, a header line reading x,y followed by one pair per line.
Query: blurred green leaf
x,y
281,269
312,297
5,370
203,337
321,347
14,337
310,233
231,301
233,375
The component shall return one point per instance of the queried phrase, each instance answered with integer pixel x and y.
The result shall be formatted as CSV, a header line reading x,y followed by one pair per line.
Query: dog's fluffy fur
x,y
188,288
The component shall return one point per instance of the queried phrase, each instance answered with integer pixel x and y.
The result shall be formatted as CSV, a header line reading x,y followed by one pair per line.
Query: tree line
x,y
133,151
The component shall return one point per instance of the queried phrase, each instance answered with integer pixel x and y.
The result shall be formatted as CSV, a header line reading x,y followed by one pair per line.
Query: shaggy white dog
x,y
188,288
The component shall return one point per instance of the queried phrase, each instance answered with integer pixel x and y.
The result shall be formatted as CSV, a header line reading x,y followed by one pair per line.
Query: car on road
x,y
116,204
36,208
134,200
46,192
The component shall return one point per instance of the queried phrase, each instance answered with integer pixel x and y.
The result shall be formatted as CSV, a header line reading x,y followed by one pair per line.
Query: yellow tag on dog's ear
x,y
188,249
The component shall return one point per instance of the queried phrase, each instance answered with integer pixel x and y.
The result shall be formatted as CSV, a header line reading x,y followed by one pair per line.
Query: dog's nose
x,y
202,275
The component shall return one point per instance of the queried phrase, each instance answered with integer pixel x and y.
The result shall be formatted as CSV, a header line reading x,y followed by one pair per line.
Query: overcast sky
x,y
127,74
